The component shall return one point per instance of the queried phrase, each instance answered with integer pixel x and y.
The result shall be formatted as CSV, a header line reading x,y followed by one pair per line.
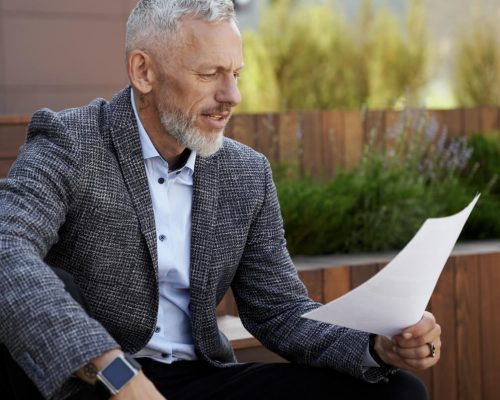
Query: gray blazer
x,y
77,197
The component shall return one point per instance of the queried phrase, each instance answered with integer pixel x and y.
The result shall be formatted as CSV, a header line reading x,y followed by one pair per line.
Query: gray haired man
x,y
151,214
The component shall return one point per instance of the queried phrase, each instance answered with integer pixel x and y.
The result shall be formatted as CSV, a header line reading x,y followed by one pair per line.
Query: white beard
x,y
181,127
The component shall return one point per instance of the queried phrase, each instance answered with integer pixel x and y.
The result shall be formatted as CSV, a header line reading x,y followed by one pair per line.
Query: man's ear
x,y
140,71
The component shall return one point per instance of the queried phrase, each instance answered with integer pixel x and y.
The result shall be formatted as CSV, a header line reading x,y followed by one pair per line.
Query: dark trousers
x,y
186,380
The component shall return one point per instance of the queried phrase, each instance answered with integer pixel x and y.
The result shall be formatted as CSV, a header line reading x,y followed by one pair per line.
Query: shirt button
x,y
161,181
157,329
162,238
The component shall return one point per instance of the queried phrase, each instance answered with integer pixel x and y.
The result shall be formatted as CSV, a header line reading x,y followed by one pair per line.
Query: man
x,y
155,216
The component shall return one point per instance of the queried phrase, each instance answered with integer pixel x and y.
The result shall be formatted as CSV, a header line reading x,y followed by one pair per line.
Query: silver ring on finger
x,y
432,349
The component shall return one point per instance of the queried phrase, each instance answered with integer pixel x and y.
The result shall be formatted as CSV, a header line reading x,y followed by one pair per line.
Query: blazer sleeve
x,y
271,299
45,330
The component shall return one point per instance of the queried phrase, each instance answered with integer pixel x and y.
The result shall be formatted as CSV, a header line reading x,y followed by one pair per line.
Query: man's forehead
x,y
195,30
210,45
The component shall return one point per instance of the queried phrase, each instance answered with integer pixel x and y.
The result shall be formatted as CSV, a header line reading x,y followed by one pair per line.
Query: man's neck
x,y
181,160
165,144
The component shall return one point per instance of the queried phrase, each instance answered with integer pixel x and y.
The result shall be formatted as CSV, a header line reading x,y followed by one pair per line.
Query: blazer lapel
x,y
125,138
204,213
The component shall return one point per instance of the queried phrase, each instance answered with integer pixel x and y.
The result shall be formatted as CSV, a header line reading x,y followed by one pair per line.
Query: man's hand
x,y
412,349
139,387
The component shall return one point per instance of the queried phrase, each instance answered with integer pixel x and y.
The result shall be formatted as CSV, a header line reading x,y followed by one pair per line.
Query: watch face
x,y
118,373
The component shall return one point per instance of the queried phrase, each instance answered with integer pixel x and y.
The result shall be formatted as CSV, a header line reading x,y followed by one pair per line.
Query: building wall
x,y
60,53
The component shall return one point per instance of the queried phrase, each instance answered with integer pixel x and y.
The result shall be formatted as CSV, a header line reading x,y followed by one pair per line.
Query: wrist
x,y
88,373
374,353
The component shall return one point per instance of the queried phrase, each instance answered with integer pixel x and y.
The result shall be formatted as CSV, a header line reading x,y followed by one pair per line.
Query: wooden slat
x,y
228,130
15,119
312,160
489,119
472,123
333,141
266,138
288,143
336,282
489,267
354,138
11,138
444,375
374,127
5,165
245,343
391,122
451,120
327,147
243,129
314,283
468,327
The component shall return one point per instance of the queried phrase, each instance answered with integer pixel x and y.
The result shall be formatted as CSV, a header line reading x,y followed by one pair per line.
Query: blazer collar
x,y
125,137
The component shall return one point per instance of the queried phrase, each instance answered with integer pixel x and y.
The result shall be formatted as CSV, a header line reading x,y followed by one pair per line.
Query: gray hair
x,y
153,20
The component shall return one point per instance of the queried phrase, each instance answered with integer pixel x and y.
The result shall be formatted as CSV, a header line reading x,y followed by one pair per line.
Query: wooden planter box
x,y
466,302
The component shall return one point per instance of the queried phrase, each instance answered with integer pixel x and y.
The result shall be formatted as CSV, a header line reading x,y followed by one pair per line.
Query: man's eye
x,y
208,76
237,75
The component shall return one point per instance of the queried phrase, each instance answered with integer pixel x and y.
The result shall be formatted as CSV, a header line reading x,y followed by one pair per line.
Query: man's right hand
x,y
139,387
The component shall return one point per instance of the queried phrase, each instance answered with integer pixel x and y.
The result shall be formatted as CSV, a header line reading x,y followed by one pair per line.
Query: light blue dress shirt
x,y
171,195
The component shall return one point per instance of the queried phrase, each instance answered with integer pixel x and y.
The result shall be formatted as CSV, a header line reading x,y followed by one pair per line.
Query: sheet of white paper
x,y
396,297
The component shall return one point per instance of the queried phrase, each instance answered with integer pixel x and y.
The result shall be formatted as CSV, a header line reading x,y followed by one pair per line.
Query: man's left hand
x,y
417,348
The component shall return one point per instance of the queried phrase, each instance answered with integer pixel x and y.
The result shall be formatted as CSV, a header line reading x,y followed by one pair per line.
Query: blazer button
x,y
162,238
161,181
157,329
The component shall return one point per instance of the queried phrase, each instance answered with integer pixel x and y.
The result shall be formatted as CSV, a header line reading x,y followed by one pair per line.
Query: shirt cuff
x,y
368,360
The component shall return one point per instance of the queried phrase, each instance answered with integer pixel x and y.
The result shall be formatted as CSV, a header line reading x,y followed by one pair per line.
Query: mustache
x,y
221,109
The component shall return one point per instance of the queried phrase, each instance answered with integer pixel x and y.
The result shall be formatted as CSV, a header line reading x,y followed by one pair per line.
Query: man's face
x,y
197,86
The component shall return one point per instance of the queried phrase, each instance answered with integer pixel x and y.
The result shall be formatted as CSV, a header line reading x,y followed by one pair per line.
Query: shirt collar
x,y
148,149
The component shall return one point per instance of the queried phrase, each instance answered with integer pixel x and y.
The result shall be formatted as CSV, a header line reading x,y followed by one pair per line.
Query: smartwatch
x,y
114,376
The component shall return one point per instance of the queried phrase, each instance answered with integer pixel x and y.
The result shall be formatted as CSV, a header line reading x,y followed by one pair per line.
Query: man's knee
x,y
405,385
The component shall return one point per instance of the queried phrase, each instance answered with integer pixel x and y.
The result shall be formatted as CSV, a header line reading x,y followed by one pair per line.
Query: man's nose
x,y
228,92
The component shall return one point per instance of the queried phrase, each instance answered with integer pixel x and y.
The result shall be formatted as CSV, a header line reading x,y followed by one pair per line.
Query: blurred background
x,y
334,94
301,55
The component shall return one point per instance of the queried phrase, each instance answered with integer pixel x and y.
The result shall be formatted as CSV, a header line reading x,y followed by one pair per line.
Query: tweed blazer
x,y
77,198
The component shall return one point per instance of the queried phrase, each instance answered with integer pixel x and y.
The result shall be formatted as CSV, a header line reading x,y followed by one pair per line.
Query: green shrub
x,y
397,62
477,66
380,204
320,61
486,161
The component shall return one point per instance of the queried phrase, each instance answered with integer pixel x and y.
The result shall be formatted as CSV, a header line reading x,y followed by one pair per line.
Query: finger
x,y
412,364
430,336
418,352
423,326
